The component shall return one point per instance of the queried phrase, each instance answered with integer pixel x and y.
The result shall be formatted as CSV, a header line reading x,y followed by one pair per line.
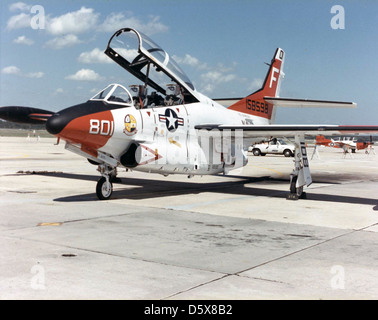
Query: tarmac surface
x,y
211,237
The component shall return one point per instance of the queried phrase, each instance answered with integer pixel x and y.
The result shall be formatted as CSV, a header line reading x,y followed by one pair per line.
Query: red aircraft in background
x,y
345,143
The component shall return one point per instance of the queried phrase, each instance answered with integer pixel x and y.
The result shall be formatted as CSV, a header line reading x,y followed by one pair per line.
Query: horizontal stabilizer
x,y
25,114
306,103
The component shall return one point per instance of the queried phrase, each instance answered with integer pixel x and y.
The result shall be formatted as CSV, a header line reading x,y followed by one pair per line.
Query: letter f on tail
x,y
255,104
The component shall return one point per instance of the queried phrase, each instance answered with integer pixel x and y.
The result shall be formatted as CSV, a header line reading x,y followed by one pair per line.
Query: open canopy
x,y
147,61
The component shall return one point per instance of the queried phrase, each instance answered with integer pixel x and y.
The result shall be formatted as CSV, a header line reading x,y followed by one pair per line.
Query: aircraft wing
x,y
341,145
252,131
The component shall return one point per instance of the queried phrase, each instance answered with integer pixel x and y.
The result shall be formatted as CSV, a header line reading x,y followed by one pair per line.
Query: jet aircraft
x,y
345,143
162,124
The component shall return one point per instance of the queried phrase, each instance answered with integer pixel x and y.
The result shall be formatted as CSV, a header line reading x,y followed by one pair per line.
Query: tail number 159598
x,y
257,106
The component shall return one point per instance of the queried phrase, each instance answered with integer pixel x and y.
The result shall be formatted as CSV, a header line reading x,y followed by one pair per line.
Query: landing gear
x,y
295,192
301,174
104,188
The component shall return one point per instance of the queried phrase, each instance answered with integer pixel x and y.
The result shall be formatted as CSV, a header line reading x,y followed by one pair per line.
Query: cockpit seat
x,y
139,94
174,95
155,99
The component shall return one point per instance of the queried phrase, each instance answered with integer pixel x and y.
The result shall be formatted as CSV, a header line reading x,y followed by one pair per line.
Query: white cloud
x,y
35,75
16,71
21,6
213,79
11,70
94,56
58,91
217,77
84,20
98,56
65,41
128,54
80,21
118,20
256,84
19,21
23,40
190,61
208,88
84,75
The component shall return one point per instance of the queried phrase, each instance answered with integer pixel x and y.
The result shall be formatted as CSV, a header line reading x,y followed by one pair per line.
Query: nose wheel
x,y
104,188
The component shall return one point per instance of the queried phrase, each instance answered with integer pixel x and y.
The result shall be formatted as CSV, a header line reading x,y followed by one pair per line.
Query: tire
x,y
93,162
104,189
287,153
298,192
256,152
293,188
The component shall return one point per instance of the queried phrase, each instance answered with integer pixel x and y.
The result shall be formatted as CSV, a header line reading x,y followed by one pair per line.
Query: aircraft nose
x,y
56,123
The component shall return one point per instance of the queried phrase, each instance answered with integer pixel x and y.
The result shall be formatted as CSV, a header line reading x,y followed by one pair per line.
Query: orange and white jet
x,y
162,124
345,143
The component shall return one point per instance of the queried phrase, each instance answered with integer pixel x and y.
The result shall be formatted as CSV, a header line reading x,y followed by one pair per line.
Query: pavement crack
x,y
294,252
195,287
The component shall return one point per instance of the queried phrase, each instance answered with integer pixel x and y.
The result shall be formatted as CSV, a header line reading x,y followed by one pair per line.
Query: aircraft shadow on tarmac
x,y
148,189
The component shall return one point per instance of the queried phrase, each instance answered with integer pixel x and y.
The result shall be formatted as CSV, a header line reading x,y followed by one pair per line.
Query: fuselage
x,y
160,139
152,125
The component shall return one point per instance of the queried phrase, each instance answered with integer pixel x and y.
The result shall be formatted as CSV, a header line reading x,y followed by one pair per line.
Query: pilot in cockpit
x,y
174,95
139,94
155,99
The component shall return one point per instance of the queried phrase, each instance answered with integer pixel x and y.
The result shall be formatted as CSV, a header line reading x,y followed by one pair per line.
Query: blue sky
x,y
221,45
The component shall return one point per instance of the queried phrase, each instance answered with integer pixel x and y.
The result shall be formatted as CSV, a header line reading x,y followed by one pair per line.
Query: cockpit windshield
x,y
147,61
114,93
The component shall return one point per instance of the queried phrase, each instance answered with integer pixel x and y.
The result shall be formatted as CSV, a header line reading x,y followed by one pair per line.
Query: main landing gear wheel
x,y
104,189
295,193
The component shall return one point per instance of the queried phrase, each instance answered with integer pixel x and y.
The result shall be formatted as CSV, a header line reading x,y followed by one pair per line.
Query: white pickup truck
x,y
274,146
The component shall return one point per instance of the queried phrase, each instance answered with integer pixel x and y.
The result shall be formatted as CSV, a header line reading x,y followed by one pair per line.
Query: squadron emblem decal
x,y
130,125
172,121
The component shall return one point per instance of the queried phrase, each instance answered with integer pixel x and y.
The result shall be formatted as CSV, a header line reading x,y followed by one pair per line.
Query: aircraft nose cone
x,y
55,124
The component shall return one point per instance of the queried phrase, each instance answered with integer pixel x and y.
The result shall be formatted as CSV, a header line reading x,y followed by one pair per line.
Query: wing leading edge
x,y
251,131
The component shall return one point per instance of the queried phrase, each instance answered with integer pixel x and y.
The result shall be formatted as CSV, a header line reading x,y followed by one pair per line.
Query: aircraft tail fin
x,y
255,104
321,140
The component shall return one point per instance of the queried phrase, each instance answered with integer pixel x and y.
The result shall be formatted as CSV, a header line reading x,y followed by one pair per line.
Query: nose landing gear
x,y
104,188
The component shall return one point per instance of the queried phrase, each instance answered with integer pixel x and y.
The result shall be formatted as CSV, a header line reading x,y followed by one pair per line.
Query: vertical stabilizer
x,y
255,104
